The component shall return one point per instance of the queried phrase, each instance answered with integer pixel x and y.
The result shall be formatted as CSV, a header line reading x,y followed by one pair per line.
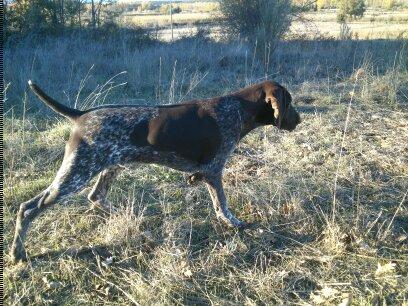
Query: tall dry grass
x,y
329,198
72,67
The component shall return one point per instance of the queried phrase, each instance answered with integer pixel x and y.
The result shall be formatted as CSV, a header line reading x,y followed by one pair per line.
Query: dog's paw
x,y
234,222
241,225
249,226
18,255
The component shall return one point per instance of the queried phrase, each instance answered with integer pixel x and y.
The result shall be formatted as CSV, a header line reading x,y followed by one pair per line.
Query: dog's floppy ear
x,y
274,97
275,106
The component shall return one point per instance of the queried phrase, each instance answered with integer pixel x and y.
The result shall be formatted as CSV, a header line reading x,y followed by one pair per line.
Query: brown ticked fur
x,y
195,137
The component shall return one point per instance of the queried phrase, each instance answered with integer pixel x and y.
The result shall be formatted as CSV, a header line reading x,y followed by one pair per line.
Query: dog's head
x,y
280,101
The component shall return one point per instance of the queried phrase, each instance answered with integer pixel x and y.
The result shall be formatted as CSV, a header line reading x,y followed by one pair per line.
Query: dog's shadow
x,y
255,234
264,245
83,253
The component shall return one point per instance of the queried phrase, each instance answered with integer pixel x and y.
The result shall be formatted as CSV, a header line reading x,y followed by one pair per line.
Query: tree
x,y
33,14
51,15
96,11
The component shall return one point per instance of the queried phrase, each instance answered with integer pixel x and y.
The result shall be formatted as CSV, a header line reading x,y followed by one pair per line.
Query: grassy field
x,y
375,24
190,12
329,198
152,20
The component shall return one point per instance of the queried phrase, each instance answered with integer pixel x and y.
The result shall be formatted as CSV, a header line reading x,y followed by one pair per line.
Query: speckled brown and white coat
x,y
196,137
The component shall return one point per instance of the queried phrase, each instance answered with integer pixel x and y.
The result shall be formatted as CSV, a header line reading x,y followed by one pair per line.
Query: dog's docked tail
x,y
65,111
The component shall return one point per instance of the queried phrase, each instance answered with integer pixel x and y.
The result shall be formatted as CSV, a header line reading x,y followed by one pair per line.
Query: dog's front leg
x,y
214,186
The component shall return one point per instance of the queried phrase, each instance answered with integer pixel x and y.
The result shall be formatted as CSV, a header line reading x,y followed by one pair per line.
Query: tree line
x,y
53,15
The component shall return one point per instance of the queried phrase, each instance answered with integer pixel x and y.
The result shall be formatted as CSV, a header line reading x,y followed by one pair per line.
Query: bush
x,y
323,4
176,10
35,15
341,18
264,21
350,8
299,7
50,16
44,15
165,9
390,4
345,32
145,6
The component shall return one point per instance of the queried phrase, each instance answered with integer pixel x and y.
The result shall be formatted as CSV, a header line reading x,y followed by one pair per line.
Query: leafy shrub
x,y
263,21
390,4
322,4
38,15
351,9
50,16
146,6
345,32
341,17
165,9
112,33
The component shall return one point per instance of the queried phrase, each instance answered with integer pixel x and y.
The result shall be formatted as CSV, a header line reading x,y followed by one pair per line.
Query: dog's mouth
x,y
290,129
292,123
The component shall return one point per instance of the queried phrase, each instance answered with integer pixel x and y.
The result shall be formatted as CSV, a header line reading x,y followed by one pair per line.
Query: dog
x,y
196,137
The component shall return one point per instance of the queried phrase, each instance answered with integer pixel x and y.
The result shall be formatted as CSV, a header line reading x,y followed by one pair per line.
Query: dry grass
x,y
329,198
375,24
152,20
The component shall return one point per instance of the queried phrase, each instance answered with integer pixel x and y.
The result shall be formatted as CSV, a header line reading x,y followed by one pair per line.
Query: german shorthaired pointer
x,y
196,137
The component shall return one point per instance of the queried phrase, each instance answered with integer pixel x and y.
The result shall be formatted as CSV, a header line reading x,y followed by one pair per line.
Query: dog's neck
x,y
255,114
251,94
256,104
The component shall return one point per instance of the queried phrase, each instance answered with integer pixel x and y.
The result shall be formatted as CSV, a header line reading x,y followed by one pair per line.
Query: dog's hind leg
x,y
97,196
71,178
216,190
